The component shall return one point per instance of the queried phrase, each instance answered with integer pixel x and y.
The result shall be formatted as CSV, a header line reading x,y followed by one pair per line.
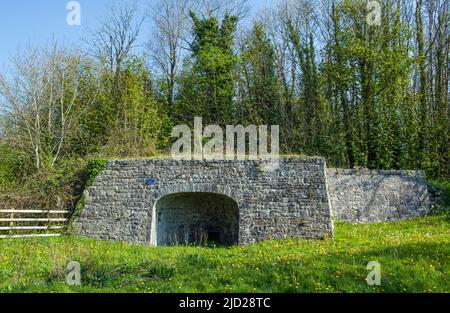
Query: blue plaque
x,y
150,182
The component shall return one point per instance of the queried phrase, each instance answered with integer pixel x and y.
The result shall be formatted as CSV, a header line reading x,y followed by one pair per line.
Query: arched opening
x,y
195,218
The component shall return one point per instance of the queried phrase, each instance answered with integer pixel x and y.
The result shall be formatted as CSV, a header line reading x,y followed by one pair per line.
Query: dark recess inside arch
x,y
197,218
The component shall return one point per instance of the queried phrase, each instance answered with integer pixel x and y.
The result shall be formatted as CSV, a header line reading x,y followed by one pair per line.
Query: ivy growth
x,y
93,169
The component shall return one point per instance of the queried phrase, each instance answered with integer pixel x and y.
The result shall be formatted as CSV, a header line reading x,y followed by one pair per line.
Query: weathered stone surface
x,y
363,195
167,202
291,201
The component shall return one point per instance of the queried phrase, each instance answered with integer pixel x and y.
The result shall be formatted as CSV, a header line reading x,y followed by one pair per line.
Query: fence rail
x,y
33,219
34,211
32,228
32,223
29,236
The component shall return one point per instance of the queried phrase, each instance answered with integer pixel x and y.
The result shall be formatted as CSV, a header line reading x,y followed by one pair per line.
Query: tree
x,y
309,89
220,8
112,45
170,23
207,88
422,78
260,97
142,124
127,119
45,99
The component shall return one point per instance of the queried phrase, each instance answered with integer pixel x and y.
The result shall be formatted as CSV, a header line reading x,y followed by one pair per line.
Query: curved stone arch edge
x,y
166,192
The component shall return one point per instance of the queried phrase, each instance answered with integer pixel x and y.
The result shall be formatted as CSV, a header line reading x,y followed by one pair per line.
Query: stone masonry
x,y
164,202
363,196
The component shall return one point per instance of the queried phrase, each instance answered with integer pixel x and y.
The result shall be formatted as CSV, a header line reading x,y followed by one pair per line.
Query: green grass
x,y
414,257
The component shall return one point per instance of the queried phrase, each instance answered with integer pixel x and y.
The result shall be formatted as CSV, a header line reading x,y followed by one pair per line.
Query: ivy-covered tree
x,y
259,88
208,81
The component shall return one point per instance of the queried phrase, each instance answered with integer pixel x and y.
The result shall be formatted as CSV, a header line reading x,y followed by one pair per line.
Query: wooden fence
x,y
32,223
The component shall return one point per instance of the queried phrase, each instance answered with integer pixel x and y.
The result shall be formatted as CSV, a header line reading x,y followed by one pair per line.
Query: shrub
x,y
93,169
12,167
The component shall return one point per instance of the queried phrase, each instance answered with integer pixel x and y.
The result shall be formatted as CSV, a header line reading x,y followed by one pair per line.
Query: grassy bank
x,y
414,257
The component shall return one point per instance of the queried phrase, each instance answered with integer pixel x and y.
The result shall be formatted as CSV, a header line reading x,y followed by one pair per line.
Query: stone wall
x,y
123,203
363,196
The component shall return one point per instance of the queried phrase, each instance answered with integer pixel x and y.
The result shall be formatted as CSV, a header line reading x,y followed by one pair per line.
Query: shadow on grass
x,y
103,275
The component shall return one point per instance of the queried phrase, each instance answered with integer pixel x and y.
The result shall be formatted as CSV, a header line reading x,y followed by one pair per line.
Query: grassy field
x,y
414,257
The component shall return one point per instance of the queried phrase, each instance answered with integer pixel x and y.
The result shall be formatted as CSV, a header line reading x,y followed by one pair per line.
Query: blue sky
x,y
35,22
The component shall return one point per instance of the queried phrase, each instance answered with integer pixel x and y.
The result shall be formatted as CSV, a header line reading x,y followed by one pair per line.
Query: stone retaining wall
x,y
163,202
292,201
363,196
